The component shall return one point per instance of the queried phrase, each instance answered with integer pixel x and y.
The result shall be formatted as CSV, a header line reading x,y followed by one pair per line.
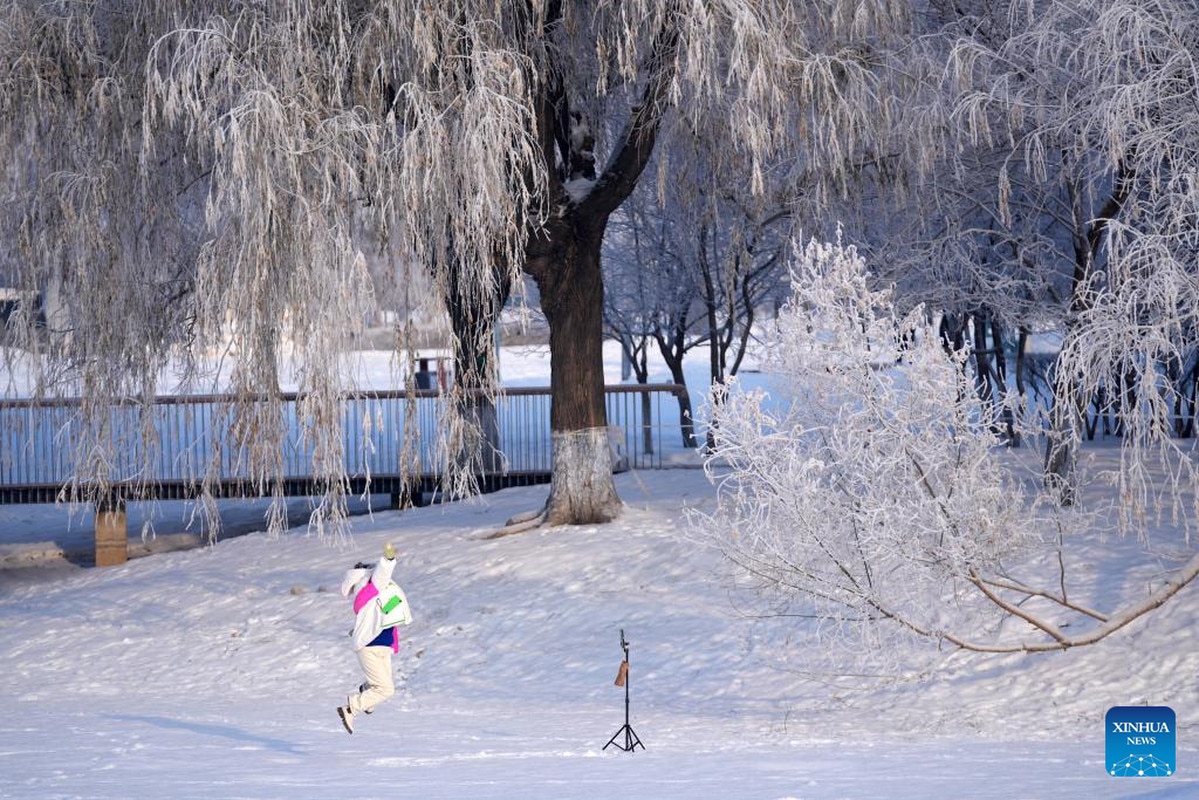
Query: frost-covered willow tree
x,y
983,239
474,139
621,80
869,490
1100,97
109,241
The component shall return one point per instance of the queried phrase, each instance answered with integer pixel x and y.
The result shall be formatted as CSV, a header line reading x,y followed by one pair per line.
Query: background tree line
x,y
183,174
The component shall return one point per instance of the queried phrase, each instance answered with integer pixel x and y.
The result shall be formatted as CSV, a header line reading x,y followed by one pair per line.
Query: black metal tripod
x,y
631,740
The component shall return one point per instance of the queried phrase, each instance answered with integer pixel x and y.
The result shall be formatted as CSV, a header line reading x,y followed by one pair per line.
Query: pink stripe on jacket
x,y
365,595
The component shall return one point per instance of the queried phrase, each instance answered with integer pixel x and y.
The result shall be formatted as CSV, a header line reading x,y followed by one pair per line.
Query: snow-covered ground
x,y
215,672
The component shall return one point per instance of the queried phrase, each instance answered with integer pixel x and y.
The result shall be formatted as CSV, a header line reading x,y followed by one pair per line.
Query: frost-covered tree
x,y
109,239
1098,98
475,139
977,235
764,64
647,302
870,490
695,262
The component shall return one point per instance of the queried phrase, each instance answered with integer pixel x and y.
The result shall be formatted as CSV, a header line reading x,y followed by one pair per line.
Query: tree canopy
x,y
190,181
194,174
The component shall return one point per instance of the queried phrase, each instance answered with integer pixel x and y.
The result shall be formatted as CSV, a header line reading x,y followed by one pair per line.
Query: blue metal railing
x,y
171,448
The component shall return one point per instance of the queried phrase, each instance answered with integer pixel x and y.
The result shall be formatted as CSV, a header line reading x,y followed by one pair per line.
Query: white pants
x,y
376,666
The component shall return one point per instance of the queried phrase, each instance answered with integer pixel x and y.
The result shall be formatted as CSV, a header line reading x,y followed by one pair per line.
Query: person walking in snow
x,y
379,606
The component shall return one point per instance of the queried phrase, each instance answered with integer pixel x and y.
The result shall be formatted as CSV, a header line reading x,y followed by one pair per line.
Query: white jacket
x,y
365,585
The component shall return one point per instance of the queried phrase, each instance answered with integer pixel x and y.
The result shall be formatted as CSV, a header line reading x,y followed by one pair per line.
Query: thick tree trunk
x,y
572,295
563,256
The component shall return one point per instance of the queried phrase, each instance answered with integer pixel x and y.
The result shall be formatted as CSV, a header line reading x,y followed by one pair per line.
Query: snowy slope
x,y
214,672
